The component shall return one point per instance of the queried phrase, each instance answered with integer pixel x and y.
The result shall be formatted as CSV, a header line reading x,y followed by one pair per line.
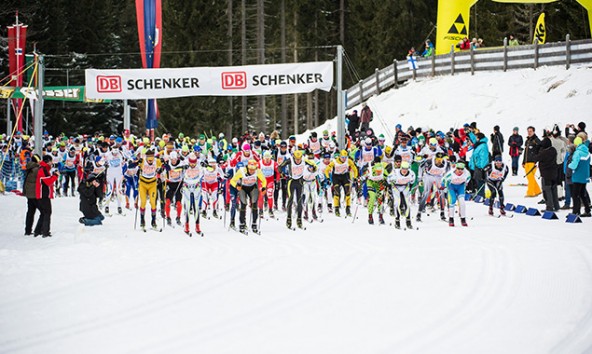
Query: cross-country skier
x,y
343,170
495,175
376,181
431,174
174,178
192,189
401,180
270,170
245,181
213,175
115,164
455,182
149,168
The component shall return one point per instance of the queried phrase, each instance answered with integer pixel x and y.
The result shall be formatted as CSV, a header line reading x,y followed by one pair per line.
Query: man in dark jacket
x,y
497,141
90,191
515,143
44,191
29,192
531,148
354,123
546,159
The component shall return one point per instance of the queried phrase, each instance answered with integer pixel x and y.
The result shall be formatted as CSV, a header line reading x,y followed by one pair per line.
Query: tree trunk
x,y
261,60
244,126
284,102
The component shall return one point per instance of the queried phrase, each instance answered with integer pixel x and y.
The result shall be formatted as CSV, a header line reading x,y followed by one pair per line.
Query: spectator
x,y
44,194
571,148
366,117
560,144
513,42
465,44
515,142
546,158
354,123
411,52
479,160
29,192
580,166
429,49
497,141
531,148
89,193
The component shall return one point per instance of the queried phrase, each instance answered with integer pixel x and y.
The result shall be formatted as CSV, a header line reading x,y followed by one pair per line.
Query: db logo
x,y
108,83
234,80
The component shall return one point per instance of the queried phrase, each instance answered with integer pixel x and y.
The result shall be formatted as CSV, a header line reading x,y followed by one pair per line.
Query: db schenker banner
x,y
250,80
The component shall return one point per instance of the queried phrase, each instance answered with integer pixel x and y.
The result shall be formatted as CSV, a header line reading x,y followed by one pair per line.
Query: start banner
x,y
250,80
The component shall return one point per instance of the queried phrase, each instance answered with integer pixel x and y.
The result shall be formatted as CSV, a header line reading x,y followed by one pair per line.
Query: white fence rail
x,y
486,59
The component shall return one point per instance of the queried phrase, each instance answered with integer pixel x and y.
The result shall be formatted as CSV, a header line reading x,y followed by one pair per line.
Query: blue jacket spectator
x,y
580,163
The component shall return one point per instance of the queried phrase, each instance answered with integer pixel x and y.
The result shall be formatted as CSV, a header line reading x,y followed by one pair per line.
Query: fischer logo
x,y
109,83
234,80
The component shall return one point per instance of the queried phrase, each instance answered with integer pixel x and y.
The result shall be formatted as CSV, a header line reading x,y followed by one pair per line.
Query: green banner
x,y
50,93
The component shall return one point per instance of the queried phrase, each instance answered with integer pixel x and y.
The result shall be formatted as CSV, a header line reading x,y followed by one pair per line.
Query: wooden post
x,y
505,54
434,63
396,73
567,52
361,87
472,60
452,57
376,71
536,53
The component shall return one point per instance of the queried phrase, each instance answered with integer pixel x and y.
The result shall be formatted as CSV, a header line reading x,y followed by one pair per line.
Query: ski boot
x,y
142,221
242,228
232,226
197,228
491,209
463,222
306,214
320,208
409,225
418,217
329,208
380,219
254,228
178,220
337,212
299,223
314,214
153,224
392,211
215,214
451,222
397,223
271,213
348,211
169,221
370,219
119,211
204,214
502,211
73,192
127,206
106,210
442,216
187,228
289,223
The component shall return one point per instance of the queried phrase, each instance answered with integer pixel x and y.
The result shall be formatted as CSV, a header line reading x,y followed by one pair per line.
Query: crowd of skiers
x,y
185,179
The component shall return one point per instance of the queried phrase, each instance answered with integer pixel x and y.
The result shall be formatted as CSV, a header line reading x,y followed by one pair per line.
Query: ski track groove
x,y
132,313
299,297
580,339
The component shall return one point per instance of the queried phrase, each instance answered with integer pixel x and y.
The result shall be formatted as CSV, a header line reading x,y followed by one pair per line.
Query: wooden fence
x,y
485,59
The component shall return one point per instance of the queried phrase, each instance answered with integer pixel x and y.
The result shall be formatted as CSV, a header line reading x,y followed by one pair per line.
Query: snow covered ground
x,y
519,285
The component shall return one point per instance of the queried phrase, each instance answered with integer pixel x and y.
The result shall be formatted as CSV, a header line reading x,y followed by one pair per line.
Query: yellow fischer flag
x,y
540,31
453,23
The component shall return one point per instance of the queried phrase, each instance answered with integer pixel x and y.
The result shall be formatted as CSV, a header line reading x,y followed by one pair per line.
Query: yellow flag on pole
x,y
540,32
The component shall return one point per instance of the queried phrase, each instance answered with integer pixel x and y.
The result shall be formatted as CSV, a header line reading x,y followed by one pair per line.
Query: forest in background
x,y
81,34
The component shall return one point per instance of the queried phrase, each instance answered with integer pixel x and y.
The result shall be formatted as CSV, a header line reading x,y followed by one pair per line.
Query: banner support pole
x,y
38,128
340,101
